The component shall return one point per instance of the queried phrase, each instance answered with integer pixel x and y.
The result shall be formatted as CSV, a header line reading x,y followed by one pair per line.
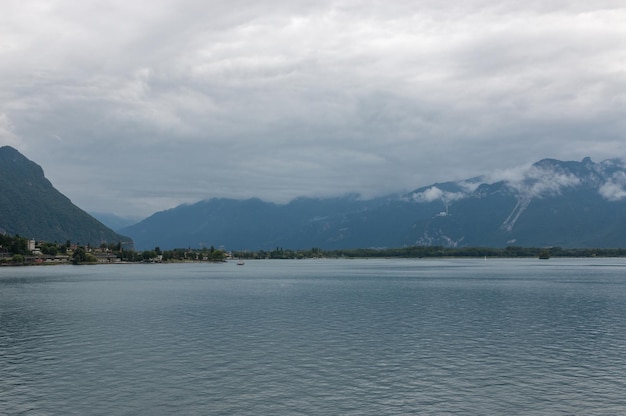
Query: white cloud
x,y
535,181
542,182
435,194
470,186
615,188
613,191
429,195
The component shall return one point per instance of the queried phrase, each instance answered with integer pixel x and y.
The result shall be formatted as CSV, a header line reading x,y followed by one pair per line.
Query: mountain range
x,y
31,207
550,203
568,204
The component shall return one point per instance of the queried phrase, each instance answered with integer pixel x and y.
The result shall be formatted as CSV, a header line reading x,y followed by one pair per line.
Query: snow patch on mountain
x,y
522,204
438,238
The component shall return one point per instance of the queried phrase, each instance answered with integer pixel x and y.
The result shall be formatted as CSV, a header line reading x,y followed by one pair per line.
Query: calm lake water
x,y
315,337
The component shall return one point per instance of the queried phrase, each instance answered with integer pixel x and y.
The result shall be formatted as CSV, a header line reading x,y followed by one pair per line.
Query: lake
x,y
315,337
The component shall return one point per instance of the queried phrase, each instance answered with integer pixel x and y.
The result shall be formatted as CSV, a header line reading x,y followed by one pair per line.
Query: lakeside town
x,y
16,251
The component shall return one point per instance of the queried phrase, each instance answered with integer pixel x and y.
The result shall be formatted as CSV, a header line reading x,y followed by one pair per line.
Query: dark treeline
x,y
178,254
15,249
433,251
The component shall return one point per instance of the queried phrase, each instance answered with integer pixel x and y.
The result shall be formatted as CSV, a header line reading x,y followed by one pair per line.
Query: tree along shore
x,y
16,250
432,251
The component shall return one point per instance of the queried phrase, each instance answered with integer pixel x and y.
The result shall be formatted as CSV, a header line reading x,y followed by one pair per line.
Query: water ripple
x,y
314,338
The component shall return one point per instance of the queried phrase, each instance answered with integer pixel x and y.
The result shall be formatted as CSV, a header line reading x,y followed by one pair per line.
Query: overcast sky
x,y
133,107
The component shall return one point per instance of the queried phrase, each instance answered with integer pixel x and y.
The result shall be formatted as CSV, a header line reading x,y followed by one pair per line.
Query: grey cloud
x,y
178,101
7,134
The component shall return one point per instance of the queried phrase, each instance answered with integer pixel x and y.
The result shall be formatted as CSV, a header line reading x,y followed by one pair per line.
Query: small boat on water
x,y
240,263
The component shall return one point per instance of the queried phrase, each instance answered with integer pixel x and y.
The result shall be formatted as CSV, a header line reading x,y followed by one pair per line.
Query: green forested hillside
x,y
31,207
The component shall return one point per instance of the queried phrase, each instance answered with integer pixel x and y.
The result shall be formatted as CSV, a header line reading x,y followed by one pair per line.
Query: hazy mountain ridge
x,y
550,203
31,207
115,222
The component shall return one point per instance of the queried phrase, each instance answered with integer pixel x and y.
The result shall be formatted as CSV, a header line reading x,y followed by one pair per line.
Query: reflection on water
x,y
315,337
